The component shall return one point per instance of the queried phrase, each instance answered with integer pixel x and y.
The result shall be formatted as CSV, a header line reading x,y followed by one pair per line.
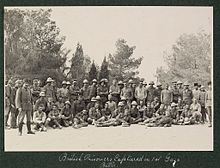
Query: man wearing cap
x,y
54,118
195,109
111,104
115,91
208,103
14,112
132,85
175,92
35,90
39,118
48,88
158,91
140,92
102,91
187,94
78,105
66,114
91,103
202,95
179,87
93,89
74,91
9,101
24,104
166,96
151,92
196,91
135,115
63,92
127,93
85,91
68,84
41,100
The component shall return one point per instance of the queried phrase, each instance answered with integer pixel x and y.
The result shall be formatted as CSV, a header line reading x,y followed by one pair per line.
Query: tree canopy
x,y
189,59
121,64
33,45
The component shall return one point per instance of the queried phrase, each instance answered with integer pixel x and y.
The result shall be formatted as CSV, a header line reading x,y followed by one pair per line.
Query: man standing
x,y
8,101
93,89
180,88
102,91
166,96
159,90
24,105
35,90
202,95
187,94
151,92
48,88
73,92
208,103
85,91
115,91
140,92
175,92
63,92
196,91
127,93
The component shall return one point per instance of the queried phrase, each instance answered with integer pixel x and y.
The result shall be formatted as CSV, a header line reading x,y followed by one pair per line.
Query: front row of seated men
x,y
152,115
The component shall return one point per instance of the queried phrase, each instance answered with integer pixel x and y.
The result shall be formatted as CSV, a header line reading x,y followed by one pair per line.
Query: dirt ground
x,y
133,138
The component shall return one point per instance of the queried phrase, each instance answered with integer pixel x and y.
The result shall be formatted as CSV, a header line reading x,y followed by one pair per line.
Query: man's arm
x,y
18,98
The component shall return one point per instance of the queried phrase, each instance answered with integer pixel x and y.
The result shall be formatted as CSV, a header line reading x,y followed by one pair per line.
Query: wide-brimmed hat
x,y
186,83
120,83
94,81
134,103
159,84
173,104
49,79
64,83
98,98
67,102
42,94
123,98
179,82
93,99
68,83
85,81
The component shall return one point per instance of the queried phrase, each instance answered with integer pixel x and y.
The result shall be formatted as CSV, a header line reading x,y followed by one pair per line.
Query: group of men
x,y
102,104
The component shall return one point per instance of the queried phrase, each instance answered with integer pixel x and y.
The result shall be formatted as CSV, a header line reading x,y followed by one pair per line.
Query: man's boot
x,y
29,128
20,125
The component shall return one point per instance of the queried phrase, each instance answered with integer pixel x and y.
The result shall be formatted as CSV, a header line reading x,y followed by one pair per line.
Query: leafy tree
x,y
33,45
79,65
189,59
104,72
93,72
122,65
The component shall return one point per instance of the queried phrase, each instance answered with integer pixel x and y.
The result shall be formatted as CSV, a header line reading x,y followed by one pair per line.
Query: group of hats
x,y
94,99
66,83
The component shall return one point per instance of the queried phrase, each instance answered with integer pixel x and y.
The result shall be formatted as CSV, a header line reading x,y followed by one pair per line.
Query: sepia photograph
x,y
108,78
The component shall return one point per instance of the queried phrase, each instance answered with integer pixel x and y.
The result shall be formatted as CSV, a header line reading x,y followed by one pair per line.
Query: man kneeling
x,y
54,117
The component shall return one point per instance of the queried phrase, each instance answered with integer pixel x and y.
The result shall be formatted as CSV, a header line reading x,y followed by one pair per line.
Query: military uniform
x,y
187,96
24,102
102,91
166,97
73,93
39,119
151,93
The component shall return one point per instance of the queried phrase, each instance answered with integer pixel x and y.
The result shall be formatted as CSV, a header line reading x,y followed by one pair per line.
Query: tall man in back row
x,y
24,105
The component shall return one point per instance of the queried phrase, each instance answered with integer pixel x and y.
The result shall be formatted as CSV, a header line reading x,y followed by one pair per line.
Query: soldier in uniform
x,y
39,119
9,102
35,90
111,104
85,91
151,92
196,91
25,105
54,117
102,91
93,89
134,112
81,119
63,92
41,100
159,90
208,103
195,108
73,92
115,91
48,88
94,114
66,114
166,96
187,94
201,100
180,88
140,92
127,93
175,92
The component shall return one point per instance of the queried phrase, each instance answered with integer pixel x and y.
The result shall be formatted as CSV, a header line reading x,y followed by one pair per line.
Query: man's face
x,y
174,85
26,85
64,86
167,86
141,84
54,108
40,108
